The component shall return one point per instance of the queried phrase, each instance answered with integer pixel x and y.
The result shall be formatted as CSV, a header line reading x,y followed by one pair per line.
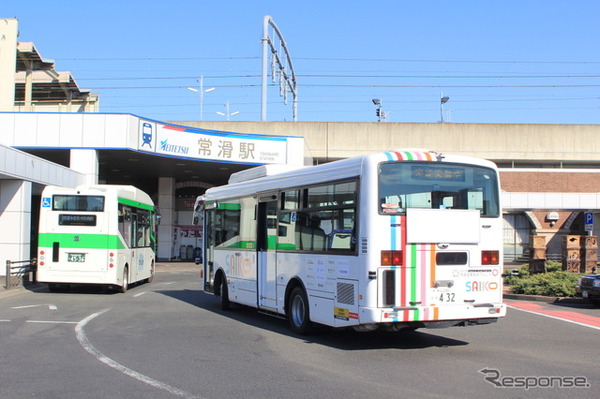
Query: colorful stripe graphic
x,y
417,273
415,277
409,156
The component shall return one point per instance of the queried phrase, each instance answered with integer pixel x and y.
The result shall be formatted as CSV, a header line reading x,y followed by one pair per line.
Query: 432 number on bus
x,y
447,297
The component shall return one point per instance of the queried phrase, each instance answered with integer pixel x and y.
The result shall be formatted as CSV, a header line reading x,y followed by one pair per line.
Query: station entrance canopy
x,y
132,149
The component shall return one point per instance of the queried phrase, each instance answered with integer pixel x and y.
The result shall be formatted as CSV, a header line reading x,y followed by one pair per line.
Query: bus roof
x,y
121,191
336,170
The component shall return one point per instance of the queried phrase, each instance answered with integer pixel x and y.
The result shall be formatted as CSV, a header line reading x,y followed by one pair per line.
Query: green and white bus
x,y
397,240
99,234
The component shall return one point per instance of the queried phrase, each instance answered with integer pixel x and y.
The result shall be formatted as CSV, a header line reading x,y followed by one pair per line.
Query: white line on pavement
x,y
85,343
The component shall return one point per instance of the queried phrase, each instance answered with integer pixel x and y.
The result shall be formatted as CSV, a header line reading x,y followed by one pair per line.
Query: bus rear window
x,y
81,203
427,185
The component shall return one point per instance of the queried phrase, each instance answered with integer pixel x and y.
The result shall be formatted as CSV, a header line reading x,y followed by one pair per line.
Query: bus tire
x,y
298,312
225,303
125,281
149,279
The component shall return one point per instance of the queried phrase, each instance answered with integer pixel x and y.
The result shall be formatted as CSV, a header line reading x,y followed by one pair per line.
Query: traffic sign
x,y
589,221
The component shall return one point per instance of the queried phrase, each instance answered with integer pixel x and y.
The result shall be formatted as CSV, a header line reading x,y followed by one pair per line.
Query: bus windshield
x,y
405,185
81,203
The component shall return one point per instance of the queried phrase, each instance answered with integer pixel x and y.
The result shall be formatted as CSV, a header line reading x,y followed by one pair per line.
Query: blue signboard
x,y
589,221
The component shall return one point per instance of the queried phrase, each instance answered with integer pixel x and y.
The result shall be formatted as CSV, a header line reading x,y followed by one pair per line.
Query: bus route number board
x,y
73,257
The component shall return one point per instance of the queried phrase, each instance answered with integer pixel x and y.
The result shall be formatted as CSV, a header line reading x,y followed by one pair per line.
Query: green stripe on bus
x,y
416,315
81,241
413,276
136,204
271,242
232,207
243,245
288,247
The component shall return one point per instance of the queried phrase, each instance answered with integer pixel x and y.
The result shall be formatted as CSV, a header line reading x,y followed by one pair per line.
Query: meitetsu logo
x,y
172,148
147,134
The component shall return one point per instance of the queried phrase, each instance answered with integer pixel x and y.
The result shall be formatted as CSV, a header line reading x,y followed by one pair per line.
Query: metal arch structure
x,y
281,66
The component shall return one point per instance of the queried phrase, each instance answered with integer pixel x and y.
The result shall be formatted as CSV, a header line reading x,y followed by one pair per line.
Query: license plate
x,y
75,257
584,294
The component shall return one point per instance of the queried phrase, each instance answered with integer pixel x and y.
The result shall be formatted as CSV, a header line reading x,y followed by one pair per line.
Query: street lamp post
x,y
381,114
228,114
201,91
378,111
443,100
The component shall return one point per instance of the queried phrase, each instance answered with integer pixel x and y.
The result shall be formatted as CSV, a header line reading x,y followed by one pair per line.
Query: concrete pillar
x,y
15,221
166,229
8,61
86,162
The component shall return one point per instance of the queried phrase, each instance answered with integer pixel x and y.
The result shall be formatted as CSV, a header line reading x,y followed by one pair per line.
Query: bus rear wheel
x,y
298,313
149,279
125,281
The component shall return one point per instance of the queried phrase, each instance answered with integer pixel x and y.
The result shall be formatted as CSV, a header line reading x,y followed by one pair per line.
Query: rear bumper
x,y
430,316
71,277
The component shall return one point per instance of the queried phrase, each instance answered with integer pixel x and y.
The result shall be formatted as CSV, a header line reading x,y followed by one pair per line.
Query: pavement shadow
x,y
345,339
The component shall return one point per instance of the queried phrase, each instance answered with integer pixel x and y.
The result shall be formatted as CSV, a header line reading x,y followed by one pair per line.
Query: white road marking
x,y
51,322
4,320
50,306
85,343
140,294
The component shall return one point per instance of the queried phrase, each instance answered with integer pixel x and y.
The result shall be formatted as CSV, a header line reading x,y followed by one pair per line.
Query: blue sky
x,y
511,61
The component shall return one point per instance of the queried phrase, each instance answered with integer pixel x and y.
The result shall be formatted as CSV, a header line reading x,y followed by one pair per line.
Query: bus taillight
x,y
391,258
490,257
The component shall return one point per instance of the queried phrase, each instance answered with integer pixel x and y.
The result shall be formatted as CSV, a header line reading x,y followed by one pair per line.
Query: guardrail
x,y
20,272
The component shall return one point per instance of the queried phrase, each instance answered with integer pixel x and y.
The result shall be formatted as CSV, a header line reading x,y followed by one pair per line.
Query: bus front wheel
x,y
225,303
298,313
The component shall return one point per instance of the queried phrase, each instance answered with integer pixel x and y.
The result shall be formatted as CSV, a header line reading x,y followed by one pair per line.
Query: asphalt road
x,y
168,339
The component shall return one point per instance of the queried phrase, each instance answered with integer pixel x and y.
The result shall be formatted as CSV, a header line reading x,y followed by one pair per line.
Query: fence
x,y
20,272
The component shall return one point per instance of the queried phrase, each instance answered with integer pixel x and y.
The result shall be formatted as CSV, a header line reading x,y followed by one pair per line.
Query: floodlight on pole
x,y
201,91
381,115
443,100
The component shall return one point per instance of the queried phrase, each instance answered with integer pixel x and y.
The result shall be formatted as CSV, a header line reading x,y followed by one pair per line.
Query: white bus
x,y
100,234
399,240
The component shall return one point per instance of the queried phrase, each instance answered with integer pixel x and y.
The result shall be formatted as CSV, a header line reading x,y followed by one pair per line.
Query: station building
x,y
51,132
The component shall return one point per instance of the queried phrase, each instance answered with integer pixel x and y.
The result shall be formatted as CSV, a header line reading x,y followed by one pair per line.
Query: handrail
x,y
20,268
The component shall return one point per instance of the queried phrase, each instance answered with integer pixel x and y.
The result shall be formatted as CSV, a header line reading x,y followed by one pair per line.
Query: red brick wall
x,y
550,182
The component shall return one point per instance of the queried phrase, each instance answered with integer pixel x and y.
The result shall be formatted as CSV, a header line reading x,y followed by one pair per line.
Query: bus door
x,y
210,239
266,238
133,266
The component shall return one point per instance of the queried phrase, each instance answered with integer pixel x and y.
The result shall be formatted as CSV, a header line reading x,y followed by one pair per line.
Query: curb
x,y
546,299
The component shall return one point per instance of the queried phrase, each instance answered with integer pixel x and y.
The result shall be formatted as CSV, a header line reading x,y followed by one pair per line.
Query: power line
x,y
358,77
433,61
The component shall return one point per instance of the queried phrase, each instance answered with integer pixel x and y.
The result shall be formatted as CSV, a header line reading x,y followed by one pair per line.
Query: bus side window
x,y
125,224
